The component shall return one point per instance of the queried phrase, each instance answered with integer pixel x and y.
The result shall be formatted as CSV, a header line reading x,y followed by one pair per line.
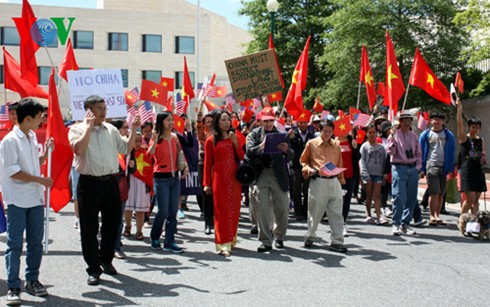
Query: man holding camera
x,y
403,147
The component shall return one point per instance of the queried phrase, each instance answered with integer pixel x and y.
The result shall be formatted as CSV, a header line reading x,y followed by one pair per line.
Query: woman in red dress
x,y
222,154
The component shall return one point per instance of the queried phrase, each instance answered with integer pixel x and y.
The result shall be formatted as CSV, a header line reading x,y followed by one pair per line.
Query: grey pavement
x,y
436,267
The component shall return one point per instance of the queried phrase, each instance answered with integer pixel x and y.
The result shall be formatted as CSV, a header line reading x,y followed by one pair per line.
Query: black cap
x,y
385,126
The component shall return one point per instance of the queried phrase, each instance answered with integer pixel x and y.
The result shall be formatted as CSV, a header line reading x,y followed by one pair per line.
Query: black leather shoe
x,y
279,244
339,248
93,280
254,230
264,248
207,230
308,243
108,268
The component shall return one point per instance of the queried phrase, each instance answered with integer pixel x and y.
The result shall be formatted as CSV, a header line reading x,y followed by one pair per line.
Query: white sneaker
x,y
395,230
370,220
345,233
387,212
406,229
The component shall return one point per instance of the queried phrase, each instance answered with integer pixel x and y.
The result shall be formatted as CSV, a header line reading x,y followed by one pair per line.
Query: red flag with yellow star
x,y
366,77
274,97
167,83
179,124
318,107
144,167
423,77
210,105
342,126
294,99
154,92
69,61
352,112
394,87
187,91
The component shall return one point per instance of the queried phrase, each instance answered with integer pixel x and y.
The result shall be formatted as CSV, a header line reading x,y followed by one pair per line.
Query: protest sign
x,y
106,83
254,75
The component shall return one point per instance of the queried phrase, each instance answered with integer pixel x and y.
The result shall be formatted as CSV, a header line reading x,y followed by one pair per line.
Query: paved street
x,y
436,267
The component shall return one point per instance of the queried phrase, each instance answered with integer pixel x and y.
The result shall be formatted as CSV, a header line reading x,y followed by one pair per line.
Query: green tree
x,y
295,21
427,24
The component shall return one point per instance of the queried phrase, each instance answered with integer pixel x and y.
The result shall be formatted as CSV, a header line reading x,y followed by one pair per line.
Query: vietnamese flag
x,y
341,114
220,91
170,104
240,138
13,81
304,117
247,103
381,89
62,156
361,134
366,77
187,91
274,97
144,167
318,107
167,83
210,105
235,123
154,92
179,124
423,77
69,61
394,87
459,82
294,99
271,46
247,115
28,47
342,126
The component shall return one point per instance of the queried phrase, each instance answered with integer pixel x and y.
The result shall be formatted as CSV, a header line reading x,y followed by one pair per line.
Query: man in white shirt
x,y
23,193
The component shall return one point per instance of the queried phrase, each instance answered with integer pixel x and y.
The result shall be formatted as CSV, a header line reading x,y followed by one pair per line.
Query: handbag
x,y
123,188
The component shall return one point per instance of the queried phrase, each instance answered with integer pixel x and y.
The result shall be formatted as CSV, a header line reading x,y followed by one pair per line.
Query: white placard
x,y
473,227
106,83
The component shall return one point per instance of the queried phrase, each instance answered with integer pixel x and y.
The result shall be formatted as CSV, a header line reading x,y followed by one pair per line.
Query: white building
x,y
145,38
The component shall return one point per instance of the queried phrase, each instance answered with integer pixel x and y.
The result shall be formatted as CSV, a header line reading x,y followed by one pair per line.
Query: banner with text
x,y
106,83
254,75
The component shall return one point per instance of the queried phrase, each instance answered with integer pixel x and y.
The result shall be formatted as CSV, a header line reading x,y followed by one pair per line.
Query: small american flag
x,y
324,114
198,90
180,107
361,120
135,93
330,169
145,112
257,104
230,99
4,113
132,112
422,121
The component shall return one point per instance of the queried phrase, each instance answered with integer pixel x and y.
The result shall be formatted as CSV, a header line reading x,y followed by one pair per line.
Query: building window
x,y
152,75
152,43
118,41
44,73
184,44
83,39
1,74
179,77
9,36
124,76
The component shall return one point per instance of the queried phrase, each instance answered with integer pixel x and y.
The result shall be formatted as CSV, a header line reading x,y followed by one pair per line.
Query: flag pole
x,y
406,96
48,204
359,95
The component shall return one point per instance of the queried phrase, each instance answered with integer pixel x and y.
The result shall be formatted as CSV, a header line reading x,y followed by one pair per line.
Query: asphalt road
x,y
436,267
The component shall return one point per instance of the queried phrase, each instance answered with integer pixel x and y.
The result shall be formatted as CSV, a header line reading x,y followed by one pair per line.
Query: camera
x,y
409,154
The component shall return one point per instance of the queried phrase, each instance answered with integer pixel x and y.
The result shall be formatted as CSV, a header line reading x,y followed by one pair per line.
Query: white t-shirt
x,y
17,153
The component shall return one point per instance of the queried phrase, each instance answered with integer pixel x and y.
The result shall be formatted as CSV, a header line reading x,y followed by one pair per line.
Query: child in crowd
x,y
373,158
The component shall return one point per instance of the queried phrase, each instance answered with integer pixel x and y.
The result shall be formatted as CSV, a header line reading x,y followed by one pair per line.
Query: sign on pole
x,y
254,75
106,83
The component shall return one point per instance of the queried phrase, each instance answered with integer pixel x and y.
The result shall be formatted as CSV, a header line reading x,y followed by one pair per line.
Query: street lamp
x,y
272,7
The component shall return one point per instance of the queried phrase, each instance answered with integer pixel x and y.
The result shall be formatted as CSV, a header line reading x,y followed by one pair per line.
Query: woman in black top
x,y
472,160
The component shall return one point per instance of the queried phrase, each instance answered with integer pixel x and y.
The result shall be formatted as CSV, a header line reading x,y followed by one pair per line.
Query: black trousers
x,y
300,193
96,196
207,200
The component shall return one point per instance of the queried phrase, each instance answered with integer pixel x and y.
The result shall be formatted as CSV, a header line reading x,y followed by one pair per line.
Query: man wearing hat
x,y
438,147
403,147
272,183
299,137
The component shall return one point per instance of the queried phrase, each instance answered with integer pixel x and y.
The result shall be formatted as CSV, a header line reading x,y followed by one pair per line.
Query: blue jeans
x,y
404,190
167,192
118,246
32,221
